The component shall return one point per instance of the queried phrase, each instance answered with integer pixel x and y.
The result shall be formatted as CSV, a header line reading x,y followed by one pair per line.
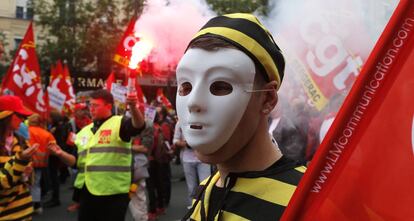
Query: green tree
x,y
81,32
232,6
133,7
63,24
5,57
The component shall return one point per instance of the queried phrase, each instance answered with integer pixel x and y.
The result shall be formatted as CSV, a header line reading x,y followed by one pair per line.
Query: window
x,y
17,42
19,12
29,13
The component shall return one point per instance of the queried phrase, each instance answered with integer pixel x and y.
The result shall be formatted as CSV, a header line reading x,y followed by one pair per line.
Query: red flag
x,y
70,95
324,59
53,72
61,96
23,76
109,81
364,167
141,97
124,50
161,98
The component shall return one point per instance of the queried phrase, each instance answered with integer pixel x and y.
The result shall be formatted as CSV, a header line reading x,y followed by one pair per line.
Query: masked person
x,y
15,166
227,85
104,158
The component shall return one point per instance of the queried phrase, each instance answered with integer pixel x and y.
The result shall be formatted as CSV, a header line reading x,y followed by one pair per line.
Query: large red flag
x,y
364,167
124,50
23,76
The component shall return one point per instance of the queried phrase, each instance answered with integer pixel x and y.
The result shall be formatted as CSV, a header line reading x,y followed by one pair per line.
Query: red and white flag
x,y
60,90
364,166
124,50
23,76
142,100
161,98
70,94
56,95
109,81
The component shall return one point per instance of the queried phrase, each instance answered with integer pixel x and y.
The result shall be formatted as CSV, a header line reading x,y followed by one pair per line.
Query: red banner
x,y
23,76
364,166
124,50
322,49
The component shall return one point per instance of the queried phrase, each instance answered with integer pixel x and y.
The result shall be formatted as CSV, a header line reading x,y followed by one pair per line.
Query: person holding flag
x,y
227,86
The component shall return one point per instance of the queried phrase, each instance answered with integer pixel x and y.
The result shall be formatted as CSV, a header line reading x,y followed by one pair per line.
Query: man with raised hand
x,y
104,158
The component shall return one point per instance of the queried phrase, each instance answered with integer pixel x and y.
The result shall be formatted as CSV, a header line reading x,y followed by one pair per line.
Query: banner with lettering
x,y
364,166
23,76
325,49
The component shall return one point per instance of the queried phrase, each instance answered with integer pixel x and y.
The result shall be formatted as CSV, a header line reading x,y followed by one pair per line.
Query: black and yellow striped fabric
x,y
254,196
247,33
15,197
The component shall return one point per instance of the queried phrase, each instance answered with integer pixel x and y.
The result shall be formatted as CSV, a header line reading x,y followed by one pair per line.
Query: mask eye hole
x,y
185,89
220,88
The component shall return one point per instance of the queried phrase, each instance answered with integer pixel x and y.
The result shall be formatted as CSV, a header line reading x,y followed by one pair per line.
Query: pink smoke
x,y
170,26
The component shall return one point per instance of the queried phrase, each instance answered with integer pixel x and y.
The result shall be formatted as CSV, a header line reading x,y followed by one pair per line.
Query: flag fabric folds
x,y
364,166
109,81
23,76
161,98
60,90
124,49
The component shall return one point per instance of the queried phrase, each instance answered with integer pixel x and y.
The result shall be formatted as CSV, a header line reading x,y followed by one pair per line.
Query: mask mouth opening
x,y
197,127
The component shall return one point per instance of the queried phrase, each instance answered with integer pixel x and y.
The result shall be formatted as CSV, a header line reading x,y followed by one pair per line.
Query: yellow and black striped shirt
x,y
15,198
259,195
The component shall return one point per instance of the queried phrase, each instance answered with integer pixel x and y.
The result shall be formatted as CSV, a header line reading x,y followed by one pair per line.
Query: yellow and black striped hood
x,y
245,32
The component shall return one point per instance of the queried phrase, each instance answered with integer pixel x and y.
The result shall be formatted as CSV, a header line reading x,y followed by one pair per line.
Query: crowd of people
x,y
40,153
232,164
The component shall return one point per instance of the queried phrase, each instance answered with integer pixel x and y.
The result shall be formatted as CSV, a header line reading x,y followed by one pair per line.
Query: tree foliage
x,y
83,33
233,6
4,57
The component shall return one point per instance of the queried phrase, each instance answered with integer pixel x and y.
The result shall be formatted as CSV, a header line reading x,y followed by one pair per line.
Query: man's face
x,y
99,109
211,96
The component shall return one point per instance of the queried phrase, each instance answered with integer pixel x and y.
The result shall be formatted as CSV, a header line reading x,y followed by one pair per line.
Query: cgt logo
x,y
105,137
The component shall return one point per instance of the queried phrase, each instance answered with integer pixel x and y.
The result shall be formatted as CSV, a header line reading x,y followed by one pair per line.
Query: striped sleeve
x,y
11,172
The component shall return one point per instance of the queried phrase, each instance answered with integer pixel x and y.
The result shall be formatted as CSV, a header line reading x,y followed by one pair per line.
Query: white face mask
x,y
212,95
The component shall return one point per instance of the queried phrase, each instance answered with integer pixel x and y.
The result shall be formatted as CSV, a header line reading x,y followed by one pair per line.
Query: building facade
x,y
15,16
